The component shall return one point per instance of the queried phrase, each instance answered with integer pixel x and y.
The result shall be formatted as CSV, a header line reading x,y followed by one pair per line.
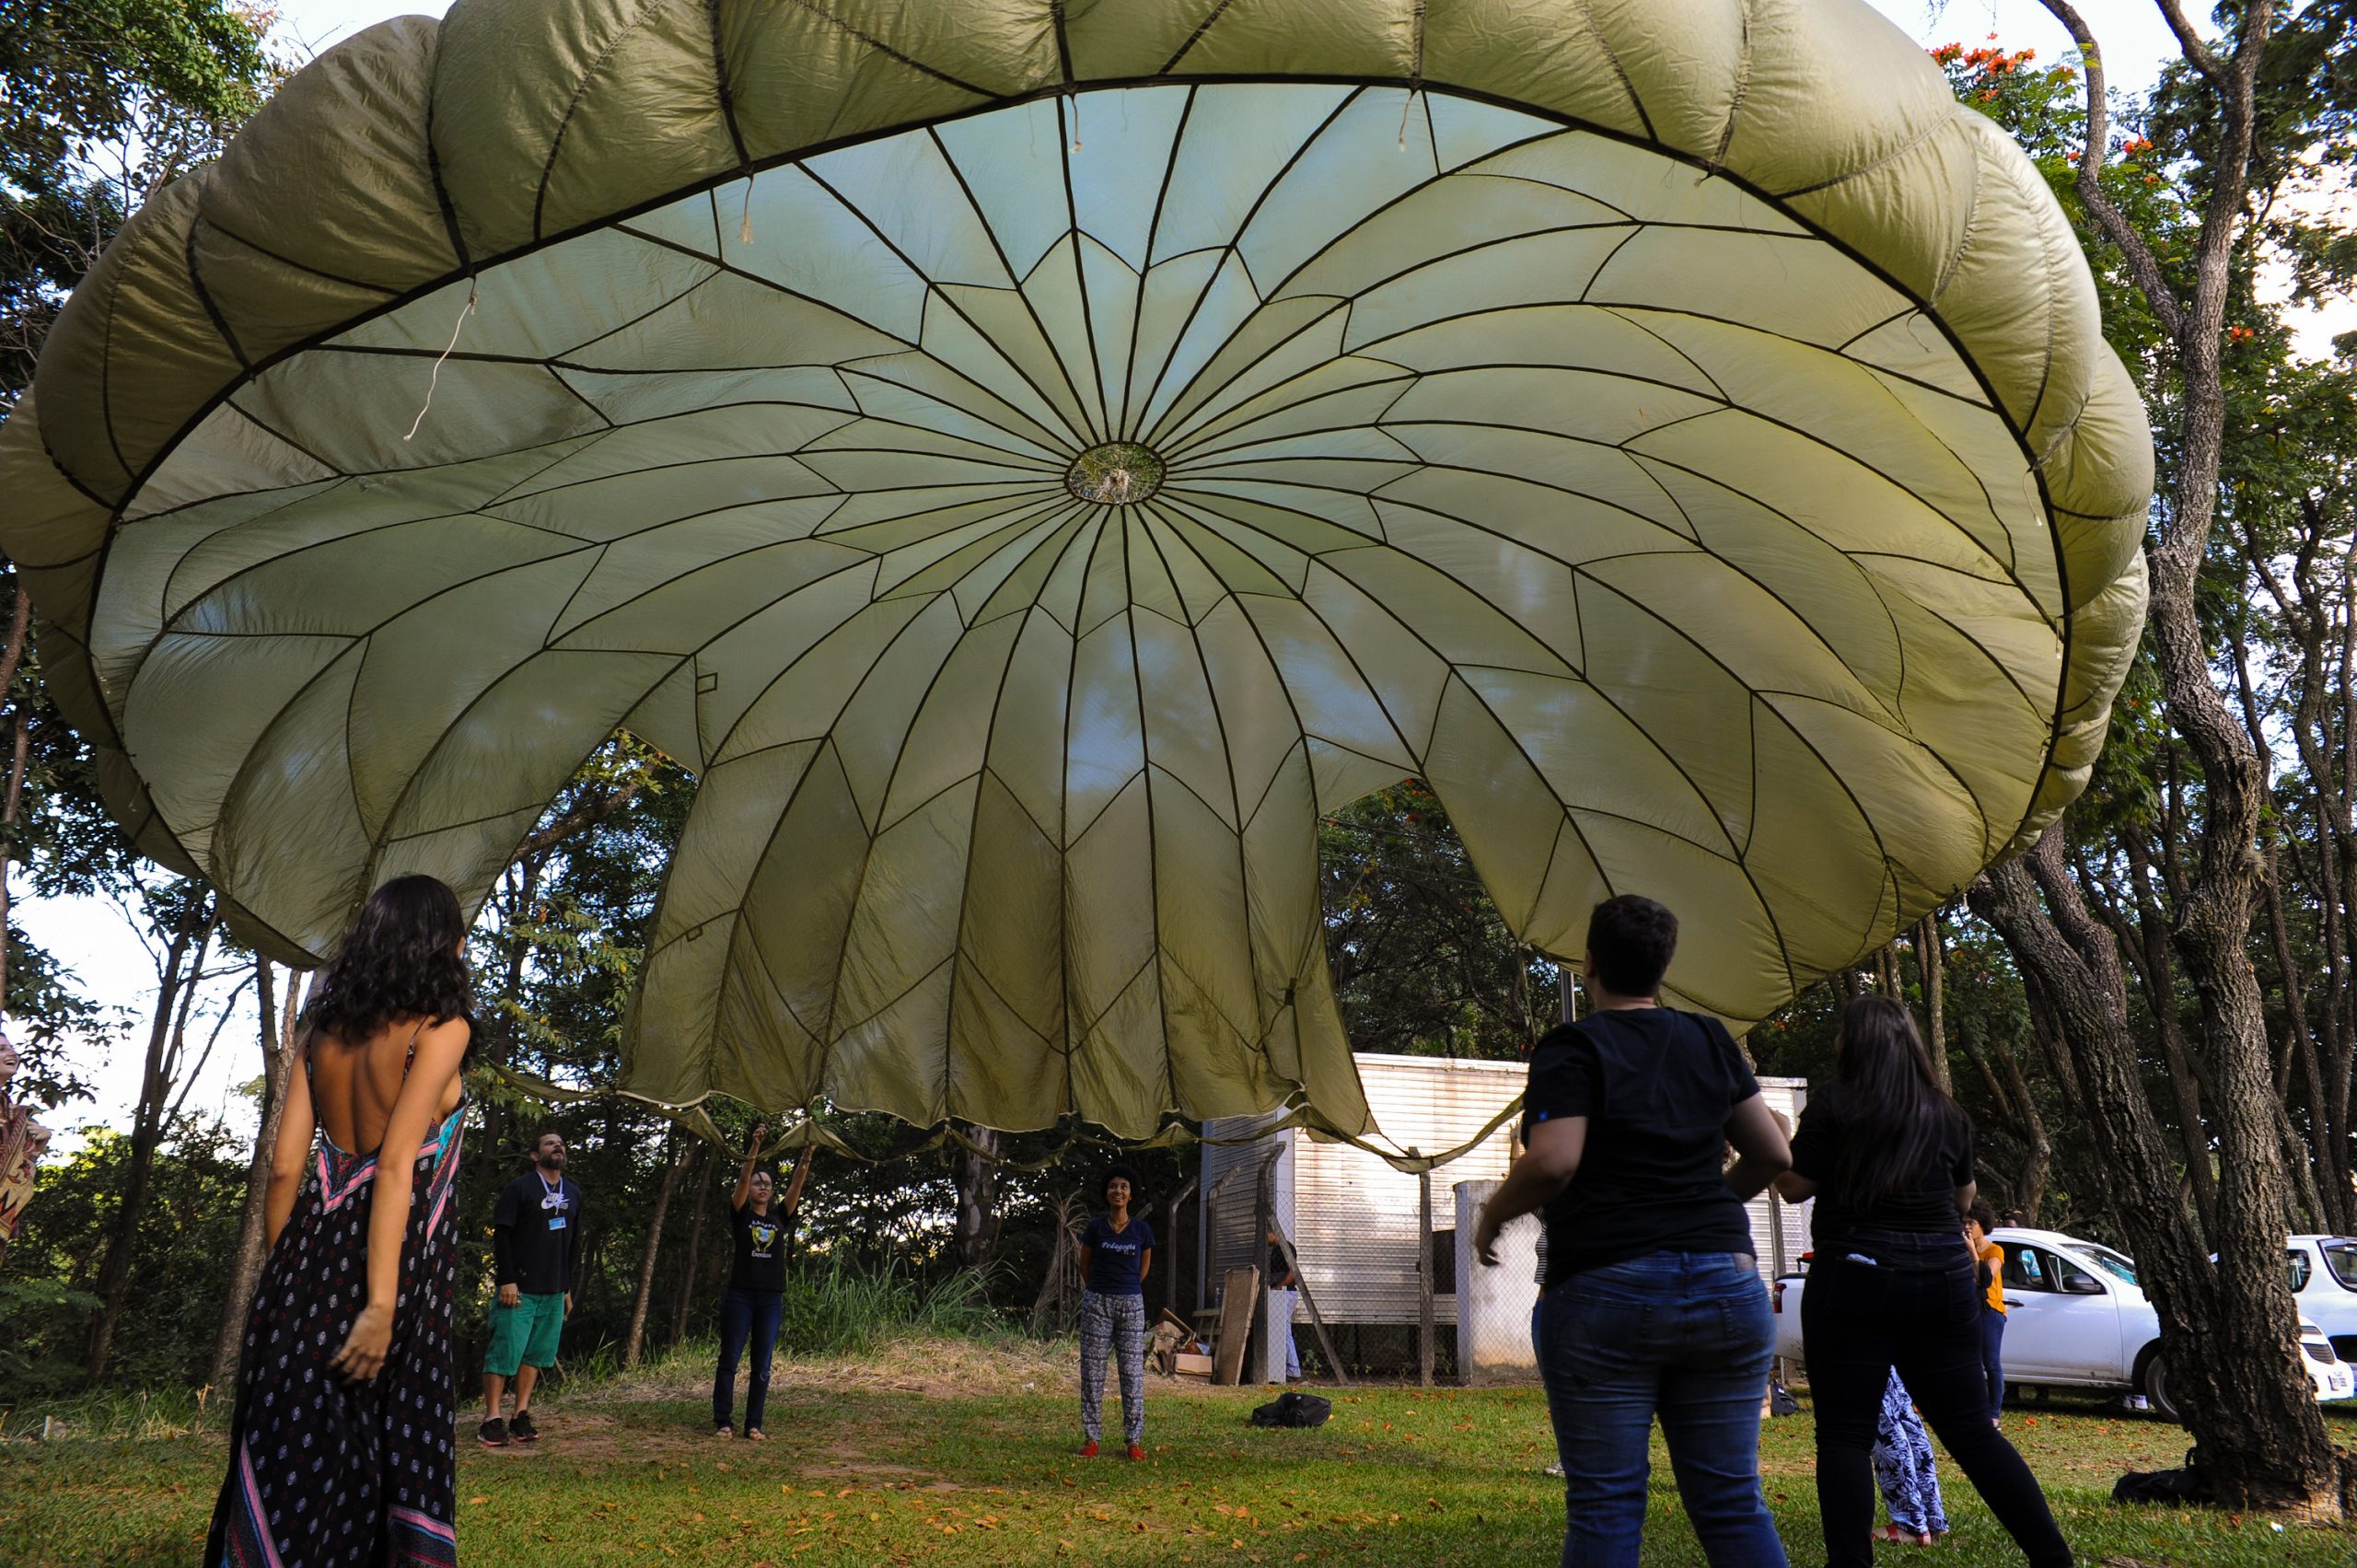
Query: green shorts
x,y
526,1332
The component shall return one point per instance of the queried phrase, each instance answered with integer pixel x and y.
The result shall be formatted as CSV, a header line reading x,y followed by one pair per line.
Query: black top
x,y
1925,1201
535,1229
1657,1086
761,1241
1278,1267
1115,1257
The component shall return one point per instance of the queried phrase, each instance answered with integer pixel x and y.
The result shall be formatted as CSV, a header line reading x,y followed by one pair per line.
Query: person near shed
x,y
1978,1221
1284,1290
754,1303
535,1237
1654,1304
1116,1255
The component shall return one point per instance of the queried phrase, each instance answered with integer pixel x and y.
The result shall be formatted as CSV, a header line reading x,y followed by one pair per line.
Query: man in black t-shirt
x,y
536,1237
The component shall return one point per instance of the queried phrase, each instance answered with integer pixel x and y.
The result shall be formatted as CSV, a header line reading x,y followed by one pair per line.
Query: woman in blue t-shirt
x,y
1652,1303
1116,1252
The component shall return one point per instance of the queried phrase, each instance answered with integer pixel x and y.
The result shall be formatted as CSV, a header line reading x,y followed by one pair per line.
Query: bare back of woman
x,y
355,1087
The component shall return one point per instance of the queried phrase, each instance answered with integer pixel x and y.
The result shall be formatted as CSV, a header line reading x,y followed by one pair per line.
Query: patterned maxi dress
x,y
323,1471
1904,1469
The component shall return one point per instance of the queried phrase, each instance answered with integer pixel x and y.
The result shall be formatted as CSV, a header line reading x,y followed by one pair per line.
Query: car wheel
x,y
2156,1383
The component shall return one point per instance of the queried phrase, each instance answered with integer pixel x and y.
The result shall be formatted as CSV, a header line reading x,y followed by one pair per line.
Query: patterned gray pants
x,y
1112,1325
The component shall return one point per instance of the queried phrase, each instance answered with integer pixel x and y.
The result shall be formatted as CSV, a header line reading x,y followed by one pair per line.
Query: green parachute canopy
x,y
1029,457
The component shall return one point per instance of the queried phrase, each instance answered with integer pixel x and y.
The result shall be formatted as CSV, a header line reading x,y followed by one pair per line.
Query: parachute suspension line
x,y
1416,78
436,378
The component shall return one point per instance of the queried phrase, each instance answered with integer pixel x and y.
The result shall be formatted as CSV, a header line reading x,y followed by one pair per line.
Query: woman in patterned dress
x,y
1905,1471
341,1450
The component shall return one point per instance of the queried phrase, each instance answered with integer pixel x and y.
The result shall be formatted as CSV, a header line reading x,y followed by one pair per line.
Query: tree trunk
x,y
2009,1087
974,1172
245,1269
2237,1382
1931,962
700,1197
174,993
2230,1330
672,1168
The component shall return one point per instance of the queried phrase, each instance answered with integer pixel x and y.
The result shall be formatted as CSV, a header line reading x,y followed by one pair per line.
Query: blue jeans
x,y
1684,1335
746,1315
1992,1358
1280,1305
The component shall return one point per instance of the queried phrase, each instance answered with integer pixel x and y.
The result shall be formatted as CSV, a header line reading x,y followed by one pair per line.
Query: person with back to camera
x,y
1653,1302
755,1301
1116,1254
1888,1157
1977,1223
339,1448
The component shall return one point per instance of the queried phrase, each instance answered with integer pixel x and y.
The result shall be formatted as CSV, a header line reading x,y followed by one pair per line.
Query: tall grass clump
x,y
832,1310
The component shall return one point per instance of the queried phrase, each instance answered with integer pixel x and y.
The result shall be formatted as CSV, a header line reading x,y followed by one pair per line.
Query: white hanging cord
x,y
745,228
436,380
1416,81
1076,122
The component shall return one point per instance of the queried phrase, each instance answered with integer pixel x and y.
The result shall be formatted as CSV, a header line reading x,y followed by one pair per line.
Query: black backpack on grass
x,y
1293,1410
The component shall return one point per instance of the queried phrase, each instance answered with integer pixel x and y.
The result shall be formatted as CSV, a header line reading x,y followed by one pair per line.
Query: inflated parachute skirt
x,y
1029,461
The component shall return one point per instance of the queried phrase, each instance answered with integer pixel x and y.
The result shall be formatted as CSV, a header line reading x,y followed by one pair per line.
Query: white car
x,y
2324,1284
2075,1318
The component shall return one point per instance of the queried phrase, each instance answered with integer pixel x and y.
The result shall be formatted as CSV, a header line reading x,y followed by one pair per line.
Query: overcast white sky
x,y
90,935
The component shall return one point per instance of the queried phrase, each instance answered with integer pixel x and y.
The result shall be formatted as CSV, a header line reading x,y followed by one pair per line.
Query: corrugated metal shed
x,y
1353,1218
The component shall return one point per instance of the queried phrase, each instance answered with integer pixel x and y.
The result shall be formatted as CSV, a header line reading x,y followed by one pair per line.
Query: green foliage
x,y
1421,960
186,1242
834,1309
101,102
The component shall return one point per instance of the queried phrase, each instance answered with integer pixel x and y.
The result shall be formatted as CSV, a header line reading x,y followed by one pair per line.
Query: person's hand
x,y
511,1296
753,1142
363,1356
568,1304
1485,1239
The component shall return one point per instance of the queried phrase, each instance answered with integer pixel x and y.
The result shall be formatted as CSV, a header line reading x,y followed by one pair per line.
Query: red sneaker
x,y
1089,1450
1136,1452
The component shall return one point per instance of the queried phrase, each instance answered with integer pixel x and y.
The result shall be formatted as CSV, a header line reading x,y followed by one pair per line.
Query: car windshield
x,y
2117,1264
2341,1257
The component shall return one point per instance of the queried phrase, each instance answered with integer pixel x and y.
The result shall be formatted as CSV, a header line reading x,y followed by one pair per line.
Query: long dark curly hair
x,y
402,958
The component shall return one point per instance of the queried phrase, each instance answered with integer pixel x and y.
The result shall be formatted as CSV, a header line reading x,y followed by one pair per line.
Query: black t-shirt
x,y
1925,1201
1115,1257
535,1229
1657,1086
1279,1270
761,1241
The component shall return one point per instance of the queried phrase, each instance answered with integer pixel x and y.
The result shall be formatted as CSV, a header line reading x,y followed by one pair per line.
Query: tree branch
x,y
2142,266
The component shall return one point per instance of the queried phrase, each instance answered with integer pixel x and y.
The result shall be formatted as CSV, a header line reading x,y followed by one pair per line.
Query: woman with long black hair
x,y
1888,1157
340,1451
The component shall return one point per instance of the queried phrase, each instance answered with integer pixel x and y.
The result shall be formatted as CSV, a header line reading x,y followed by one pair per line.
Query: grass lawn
x,y
955,1453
